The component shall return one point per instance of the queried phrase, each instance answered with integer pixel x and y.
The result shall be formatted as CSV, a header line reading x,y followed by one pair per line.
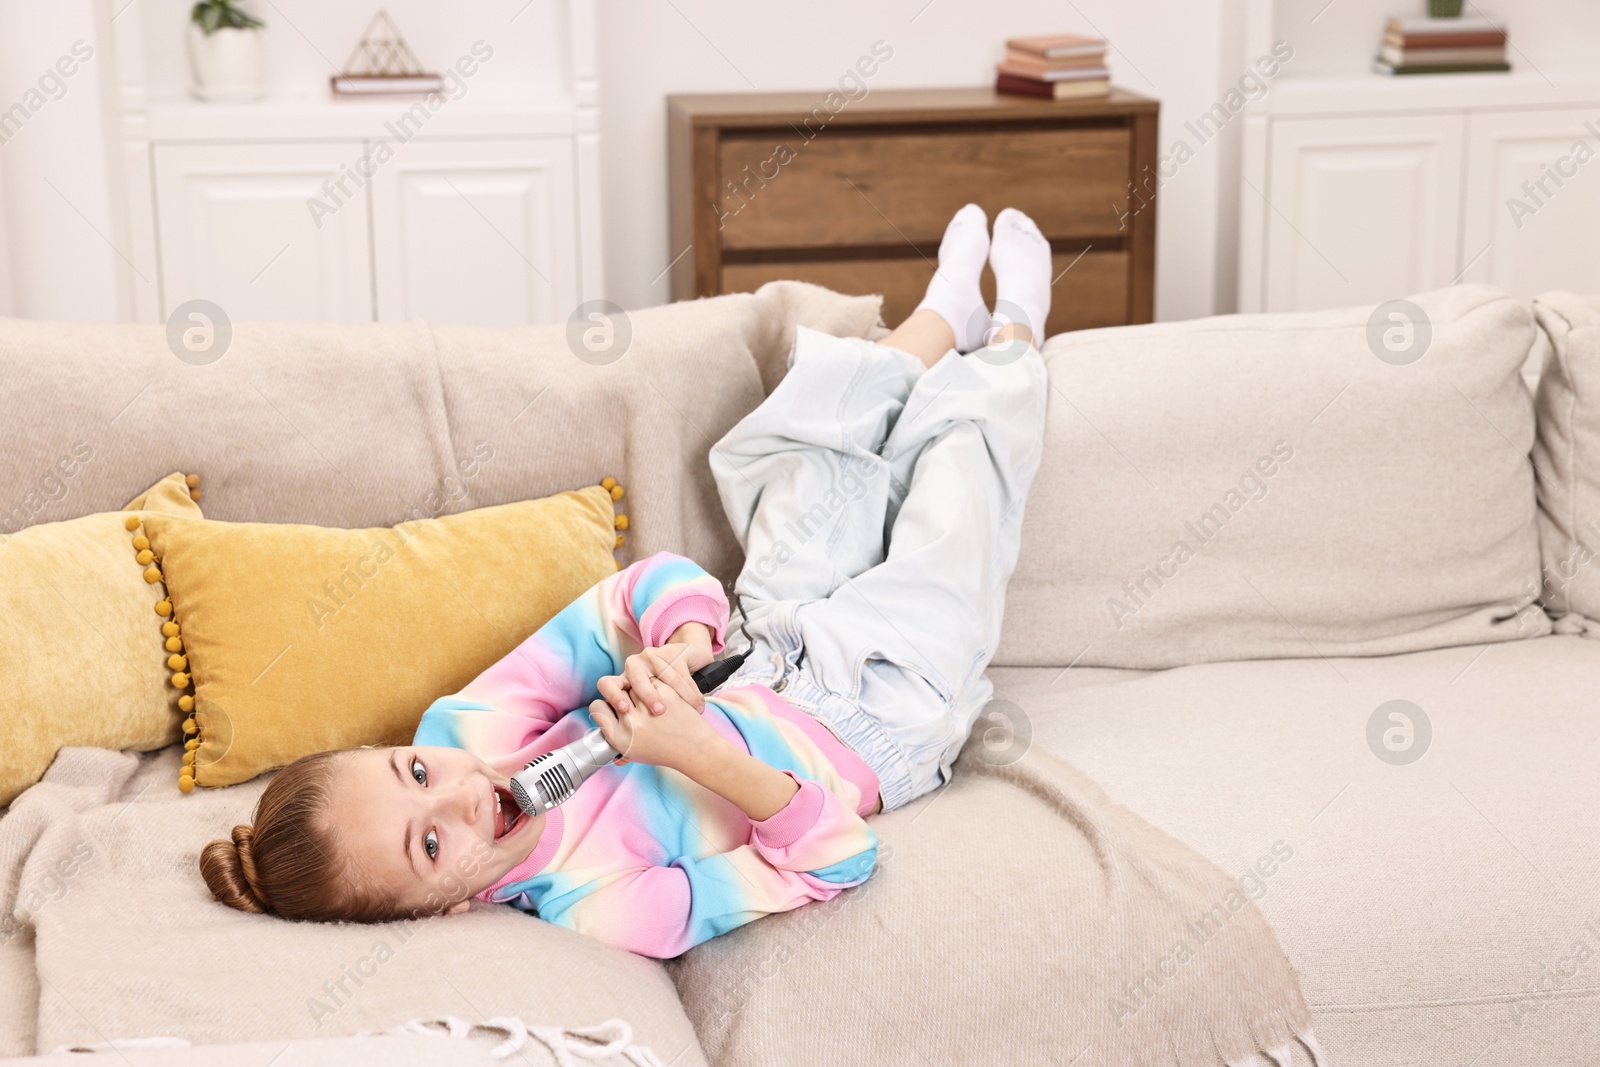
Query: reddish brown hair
x,y
287,862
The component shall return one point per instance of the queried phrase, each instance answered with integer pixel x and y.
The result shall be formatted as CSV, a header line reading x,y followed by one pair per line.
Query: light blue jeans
x,y
879,504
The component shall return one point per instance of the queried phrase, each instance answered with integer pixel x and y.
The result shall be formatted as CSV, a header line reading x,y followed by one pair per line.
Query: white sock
x,y
1020,258
954,292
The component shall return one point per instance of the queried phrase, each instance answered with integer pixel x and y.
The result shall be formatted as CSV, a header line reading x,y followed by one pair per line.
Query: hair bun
x,y
229,868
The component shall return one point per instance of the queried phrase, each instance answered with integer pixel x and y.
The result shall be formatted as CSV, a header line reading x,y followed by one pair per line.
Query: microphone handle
x,y
551,779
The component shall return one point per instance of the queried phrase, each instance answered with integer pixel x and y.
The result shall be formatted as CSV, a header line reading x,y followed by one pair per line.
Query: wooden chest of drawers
x,y
772,185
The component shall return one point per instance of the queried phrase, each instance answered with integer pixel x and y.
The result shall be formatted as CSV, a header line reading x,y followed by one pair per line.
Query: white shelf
x,y
1365,94
303,119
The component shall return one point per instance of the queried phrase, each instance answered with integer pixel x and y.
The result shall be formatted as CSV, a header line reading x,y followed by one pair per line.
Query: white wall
x,y
58,226
1169,49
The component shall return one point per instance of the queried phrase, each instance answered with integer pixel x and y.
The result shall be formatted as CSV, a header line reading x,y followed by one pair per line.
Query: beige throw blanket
x,y
1016,916
98,863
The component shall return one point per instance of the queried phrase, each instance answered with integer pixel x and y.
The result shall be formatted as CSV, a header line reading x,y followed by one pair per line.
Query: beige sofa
x,y
1441,911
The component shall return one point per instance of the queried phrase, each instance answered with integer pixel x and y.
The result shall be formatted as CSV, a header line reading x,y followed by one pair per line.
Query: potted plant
x,y
1444,9
225,51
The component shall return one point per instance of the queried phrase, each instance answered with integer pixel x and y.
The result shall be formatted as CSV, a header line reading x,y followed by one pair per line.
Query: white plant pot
x,y
227,64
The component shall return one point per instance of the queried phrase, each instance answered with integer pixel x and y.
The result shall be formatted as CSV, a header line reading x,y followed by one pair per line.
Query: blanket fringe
x,y
125,1044
567,1044
601,1041
1285,1055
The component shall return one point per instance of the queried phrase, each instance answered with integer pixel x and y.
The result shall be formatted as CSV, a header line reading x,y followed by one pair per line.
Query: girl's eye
x,y
430,843
418,771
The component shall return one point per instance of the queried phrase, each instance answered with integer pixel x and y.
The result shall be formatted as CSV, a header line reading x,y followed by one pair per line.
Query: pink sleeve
x,y
558,667
811,850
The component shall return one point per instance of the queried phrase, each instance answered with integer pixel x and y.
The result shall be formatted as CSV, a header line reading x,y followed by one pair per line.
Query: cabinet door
x,y
1529,239
481,233
1361,210
238,225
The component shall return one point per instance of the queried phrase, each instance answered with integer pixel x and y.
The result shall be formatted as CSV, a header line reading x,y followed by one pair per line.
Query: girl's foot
x,y
954,292
1020,258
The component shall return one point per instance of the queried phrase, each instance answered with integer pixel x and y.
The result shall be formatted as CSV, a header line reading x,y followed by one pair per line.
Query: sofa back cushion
x,y
1567,457
1322,484
373,425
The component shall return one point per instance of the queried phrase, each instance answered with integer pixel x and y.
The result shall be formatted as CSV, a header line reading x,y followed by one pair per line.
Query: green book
x,y
1379,66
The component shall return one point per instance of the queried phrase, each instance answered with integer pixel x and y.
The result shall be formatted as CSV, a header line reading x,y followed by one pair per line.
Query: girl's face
x,y
430,826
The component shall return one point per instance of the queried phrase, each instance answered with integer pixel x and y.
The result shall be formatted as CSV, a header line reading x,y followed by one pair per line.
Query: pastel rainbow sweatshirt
x,y
642,857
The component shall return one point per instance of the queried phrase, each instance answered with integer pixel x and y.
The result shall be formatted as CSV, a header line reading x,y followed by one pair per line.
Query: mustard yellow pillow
x,y
78,640
296,639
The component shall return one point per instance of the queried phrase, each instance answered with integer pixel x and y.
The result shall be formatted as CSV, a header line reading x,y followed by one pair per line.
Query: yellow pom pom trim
x,y
152,574
180,680
177,662
186,703
141,543
619,540
185,784
131,522
192,481
145,556
191,744
605,483
189,726
620,522
170,629
164,608
188,759
194,494
174,644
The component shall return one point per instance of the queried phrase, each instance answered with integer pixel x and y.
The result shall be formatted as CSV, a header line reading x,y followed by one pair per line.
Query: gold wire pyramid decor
x,y
382,63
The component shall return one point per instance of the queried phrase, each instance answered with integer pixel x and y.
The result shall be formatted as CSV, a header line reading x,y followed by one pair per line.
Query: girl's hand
x,y
646,674
678,738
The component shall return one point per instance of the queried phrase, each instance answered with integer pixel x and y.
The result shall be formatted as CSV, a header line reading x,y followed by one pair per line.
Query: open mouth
x,y
507,816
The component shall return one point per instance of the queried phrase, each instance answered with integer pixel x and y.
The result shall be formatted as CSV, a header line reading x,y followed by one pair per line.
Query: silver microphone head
x,y
552,778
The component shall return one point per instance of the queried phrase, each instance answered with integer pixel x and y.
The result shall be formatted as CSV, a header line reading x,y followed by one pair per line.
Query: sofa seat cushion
x,y
1434,909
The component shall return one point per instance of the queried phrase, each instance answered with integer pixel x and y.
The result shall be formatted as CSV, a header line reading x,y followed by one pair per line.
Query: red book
x,y
1069,90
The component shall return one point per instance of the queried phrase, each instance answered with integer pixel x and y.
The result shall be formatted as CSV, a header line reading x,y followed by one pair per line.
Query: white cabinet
x,y
1361,209
476,231
234,228
1360,189
479,205
1532,218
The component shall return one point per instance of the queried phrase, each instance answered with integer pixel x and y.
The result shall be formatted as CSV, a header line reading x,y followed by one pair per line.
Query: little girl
x,y
878,496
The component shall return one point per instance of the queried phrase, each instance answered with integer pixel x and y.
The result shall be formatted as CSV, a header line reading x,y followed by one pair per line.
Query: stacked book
x,y
1442,46
1061,66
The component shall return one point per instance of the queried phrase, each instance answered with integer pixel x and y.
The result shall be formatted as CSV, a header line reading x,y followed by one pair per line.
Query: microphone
x,y
551,779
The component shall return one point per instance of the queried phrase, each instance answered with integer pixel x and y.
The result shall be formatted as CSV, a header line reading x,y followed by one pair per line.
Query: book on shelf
x,y
1061,66
386,84
1056,90
1380,67
1434,57
1464,25
1057,46
1074,75
1473,44
1037,66
1495,39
